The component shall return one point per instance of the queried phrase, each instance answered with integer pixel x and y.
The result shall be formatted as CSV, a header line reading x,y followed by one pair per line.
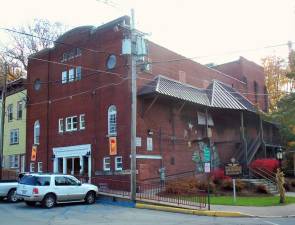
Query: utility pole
x,y
3,97
133,107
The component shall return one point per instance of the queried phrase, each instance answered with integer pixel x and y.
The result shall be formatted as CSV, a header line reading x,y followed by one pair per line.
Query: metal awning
x,y
217,95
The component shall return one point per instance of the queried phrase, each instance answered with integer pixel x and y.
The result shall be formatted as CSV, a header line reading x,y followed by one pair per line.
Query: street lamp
x,y
280,156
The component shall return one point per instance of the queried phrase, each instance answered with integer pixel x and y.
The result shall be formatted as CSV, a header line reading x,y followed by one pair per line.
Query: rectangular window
x,y
78,52
64,77
82,122
14,136
72,123
19,110
182,76
32,167
118,163
78,73
71,75
13,161
40,164
60,125
106,163
256,91
149,144
10,112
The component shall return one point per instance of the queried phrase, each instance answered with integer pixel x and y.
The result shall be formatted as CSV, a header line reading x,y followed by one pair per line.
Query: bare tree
x,y
29,39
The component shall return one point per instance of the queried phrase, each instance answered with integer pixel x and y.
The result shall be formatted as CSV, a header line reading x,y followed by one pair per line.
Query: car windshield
x,y
35,181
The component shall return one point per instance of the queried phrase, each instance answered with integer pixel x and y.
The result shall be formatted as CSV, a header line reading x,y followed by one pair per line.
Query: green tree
x,y
275,79
285,112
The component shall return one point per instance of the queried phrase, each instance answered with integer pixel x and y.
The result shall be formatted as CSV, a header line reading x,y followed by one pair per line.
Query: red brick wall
x,y
93,103
253,72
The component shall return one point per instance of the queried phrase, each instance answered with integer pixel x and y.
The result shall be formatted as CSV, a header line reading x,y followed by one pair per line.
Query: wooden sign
x,y
34,153
233,169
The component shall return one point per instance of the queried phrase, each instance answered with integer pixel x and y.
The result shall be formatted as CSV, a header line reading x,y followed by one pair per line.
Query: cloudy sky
x,y
210,29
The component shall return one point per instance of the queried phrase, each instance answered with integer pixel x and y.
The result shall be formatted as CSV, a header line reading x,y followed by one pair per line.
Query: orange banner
x,y
113,145
34,153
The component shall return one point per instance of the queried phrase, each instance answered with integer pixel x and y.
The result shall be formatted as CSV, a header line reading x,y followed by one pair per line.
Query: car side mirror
x,y
79,183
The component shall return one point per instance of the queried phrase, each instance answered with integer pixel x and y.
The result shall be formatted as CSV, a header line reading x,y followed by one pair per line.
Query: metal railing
x,y
157,193
151,192
265,174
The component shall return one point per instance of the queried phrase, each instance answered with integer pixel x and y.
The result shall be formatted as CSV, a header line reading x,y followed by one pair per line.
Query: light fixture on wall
x,y
150,132
280,156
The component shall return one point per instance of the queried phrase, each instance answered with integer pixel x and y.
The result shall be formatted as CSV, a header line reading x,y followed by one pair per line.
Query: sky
x,y
213,31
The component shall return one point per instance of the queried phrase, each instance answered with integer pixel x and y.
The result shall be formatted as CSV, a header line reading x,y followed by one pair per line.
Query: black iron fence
x,y
155,192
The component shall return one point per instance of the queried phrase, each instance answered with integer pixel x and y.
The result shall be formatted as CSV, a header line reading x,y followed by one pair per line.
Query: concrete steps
x,y
270,187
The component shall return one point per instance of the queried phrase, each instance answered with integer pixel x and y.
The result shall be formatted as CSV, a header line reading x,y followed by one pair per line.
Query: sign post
x,y
233,170
207,169
234,190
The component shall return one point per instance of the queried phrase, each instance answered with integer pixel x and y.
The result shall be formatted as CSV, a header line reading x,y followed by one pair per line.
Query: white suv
x,y
49,189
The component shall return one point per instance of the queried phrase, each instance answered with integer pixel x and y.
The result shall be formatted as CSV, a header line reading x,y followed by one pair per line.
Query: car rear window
x,y
35,181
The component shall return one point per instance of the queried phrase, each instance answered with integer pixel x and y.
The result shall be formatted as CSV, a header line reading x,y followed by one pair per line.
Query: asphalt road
x,y
80,214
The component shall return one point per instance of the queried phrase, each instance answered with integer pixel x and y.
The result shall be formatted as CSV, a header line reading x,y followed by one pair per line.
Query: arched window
x,y
36,132
112,120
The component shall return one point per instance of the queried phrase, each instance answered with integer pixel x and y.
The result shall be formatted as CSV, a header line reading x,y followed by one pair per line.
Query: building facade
x,y
79,109
14,140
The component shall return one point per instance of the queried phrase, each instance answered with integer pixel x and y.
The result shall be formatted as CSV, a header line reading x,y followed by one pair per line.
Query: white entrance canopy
x,y
75,151
72,151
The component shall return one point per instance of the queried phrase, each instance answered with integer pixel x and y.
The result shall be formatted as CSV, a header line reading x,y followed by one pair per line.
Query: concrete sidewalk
x,y
269,211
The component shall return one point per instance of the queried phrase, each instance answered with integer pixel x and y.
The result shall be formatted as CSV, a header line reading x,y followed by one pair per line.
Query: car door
x,y
61,188
76,190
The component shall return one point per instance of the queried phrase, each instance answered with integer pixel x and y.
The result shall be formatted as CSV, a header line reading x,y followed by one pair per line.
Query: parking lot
x,y
20,214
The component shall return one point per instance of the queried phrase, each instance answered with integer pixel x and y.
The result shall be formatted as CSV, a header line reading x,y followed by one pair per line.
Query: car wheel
x,y
90,197
30,203
48,201
11,197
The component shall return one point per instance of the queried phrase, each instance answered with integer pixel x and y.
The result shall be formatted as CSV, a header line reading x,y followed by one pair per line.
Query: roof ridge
x,y
233,97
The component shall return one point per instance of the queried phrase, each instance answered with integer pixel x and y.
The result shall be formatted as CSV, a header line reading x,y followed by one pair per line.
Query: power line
x,y
164,61
51,40
221,54
80,93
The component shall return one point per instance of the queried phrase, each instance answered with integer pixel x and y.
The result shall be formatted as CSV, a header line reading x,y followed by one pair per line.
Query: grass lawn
x,y
249,201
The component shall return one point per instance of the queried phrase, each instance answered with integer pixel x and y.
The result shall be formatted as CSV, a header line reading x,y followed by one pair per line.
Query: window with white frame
x,y
13,161
14,136
82,122
61,125
118,163
32,167
37,132
40,167
72,123
19,110
78,73
112,120
10,112
106,163
64,77
71,75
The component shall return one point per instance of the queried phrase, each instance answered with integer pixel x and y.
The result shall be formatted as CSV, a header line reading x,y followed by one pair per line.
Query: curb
x,y
191,211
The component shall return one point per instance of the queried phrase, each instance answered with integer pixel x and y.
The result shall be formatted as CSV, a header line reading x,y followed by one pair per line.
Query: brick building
x,y
80,106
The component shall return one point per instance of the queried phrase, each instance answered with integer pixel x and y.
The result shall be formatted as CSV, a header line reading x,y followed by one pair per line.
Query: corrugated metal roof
x,y
173,88
217,95
224,96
